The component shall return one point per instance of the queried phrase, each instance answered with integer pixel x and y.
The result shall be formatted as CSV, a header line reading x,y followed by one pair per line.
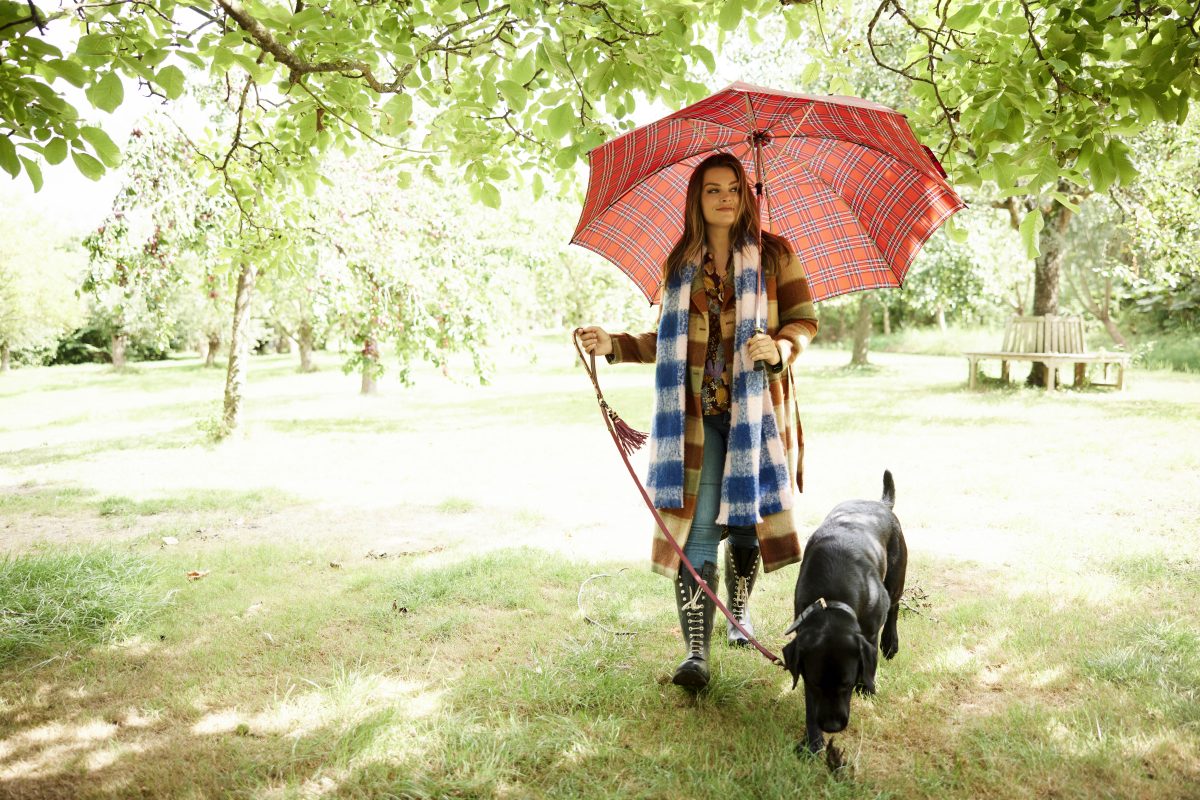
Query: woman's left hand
x,y
763,348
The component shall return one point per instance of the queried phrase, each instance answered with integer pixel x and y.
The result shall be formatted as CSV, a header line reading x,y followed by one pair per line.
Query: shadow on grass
x,y
172,439
66,499
479,679
317,426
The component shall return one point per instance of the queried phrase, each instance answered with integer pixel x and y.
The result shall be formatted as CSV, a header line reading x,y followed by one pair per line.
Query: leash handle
x,y
609,417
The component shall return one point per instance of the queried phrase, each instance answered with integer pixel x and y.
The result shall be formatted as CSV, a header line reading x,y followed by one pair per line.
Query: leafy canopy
x,y
520,84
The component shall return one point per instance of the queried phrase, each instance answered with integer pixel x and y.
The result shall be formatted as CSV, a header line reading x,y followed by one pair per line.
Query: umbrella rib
x,y
887,153
624,194
803,166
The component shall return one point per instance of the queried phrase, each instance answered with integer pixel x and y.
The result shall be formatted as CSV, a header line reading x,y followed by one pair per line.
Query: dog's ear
x,y
793,654
793,659
868,661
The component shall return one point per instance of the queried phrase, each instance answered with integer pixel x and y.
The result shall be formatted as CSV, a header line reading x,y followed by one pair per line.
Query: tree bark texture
x,y
1100,309
1048,269
4,357
306,346
117,349
371,356
214,344
239,348
862,332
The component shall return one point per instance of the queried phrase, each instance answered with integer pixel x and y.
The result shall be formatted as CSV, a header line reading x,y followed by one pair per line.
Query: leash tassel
x,y
629,438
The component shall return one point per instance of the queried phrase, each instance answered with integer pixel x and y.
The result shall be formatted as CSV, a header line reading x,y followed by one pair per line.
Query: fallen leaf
x,y
268,638
196,574
335,564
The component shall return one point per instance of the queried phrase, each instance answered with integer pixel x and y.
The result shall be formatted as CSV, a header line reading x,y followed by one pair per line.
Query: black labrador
x,y
849,588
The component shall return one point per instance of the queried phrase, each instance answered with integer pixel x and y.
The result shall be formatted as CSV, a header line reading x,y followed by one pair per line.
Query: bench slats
x,y
1055,341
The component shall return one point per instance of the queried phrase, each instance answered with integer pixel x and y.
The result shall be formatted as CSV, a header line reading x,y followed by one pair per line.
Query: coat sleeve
x,y
797,313
636,348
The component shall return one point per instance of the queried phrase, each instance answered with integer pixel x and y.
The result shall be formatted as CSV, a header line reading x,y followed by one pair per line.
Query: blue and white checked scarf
x,y
756,480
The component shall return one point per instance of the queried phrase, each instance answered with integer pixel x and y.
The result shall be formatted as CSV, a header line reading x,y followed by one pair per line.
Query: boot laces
x,y
695,620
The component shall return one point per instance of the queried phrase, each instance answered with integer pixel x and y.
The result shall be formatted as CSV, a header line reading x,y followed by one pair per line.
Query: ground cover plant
x,y
385,596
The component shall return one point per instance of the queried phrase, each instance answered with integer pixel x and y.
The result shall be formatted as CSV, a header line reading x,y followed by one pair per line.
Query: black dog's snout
x,y
834,724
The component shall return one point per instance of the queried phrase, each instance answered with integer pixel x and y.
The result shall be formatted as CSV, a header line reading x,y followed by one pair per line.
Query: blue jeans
x,y
705,533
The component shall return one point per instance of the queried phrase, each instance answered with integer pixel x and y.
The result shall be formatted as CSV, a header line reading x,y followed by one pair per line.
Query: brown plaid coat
x,y
790,313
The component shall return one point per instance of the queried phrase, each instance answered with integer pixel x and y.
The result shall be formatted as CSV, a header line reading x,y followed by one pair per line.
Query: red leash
x,y
628,441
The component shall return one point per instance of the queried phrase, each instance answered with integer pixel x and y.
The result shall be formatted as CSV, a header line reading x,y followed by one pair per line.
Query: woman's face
x,y
719,197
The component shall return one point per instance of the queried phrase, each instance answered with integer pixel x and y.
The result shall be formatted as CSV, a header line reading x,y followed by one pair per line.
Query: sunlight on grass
x,y
389,608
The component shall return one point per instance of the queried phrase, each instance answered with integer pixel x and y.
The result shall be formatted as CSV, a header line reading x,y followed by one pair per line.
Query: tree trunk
x,y
887,320
941,317
4,356
371,356
239,349
117,349
306,346
1113,331
214,344
862,332
1047,272
283,345
1102,311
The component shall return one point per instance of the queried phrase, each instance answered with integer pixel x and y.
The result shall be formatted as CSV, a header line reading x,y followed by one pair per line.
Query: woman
x,y
725,445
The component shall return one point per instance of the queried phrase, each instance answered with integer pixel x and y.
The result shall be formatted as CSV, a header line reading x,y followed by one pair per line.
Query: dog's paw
x,y
889,644
806,749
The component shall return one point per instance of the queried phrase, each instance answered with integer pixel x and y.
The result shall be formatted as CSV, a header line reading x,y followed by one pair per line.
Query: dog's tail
x,y
889,489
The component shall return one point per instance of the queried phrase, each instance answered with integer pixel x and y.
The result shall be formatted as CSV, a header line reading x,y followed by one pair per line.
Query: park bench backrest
x,y
1049,334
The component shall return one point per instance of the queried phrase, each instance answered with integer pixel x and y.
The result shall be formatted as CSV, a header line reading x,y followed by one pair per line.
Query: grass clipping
x,y
52,601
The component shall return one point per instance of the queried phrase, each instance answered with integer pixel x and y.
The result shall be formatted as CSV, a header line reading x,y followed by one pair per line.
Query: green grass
x,y
54,602
1178,351
395,590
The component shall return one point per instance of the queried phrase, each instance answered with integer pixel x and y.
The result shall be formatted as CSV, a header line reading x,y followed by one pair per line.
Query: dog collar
x,y
819,604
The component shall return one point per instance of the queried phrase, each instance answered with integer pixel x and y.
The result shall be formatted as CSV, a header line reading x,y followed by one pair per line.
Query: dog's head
x,y
834,660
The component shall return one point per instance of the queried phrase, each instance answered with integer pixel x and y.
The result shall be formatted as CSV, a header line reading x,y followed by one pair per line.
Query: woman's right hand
x,y
596,341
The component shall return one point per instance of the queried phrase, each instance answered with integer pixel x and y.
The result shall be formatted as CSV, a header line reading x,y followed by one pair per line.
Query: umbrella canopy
x,y
844,180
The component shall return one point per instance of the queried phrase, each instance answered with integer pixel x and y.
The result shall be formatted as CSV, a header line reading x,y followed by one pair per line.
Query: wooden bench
x,y
1054,341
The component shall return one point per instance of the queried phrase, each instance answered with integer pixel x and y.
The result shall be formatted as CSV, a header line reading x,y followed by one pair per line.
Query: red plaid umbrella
x,y
843,179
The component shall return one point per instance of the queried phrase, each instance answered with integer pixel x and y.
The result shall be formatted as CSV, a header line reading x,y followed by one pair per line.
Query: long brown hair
x,y
745,227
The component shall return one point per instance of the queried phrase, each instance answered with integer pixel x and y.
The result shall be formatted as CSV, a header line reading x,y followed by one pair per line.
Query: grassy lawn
x,y
390,591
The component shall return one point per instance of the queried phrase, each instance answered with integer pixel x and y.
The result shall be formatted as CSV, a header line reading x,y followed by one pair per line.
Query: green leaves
x,y
88,166
964,19
55,151
106,93
170,78
8,157
731,14
70,71
1031,229
108,151
514,94
490,195
560,119
34,172
399,109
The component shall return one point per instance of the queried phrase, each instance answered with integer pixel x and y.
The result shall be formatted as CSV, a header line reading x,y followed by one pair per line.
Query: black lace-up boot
x,y
741,570
696,621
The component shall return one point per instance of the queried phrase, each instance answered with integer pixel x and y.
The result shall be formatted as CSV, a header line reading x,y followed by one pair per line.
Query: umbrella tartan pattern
x,y
844,179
